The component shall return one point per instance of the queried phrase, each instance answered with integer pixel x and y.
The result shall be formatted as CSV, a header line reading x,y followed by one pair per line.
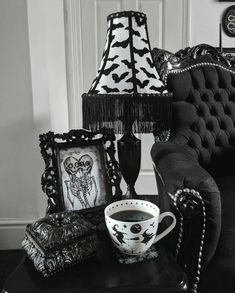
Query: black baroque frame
x,y
49,143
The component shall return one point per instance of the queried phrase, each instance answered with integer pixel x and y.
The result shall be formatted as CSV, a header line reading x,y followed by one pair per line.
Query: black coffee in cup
x,y
131,216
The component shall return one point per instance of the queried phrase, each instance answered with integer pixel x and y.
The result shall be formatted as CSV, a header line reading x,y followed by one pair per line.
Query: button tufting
x,y
213,111
191,143
217,97
200,111
194,127
209,126
222,125
227,110
204,143
231,140
204,98
190,99
232,97
217,143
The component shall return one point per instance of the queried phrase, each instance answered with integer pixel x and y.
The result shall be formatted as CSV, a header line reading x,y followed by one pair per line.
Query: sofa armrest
x,y
197,198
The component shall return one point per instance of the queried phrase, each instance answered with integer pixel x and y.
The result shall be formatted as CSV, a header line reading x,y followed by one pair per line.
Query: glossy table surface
x,y
103,273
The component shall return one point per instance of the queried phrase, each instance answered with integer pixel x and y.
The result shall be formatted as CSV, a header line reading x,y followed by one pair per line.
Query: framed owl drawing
x,y
81,172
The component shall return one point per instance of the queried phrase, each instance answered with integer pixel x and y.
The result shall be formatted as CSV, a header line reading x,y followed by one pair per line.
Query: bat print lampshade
x,y
127,94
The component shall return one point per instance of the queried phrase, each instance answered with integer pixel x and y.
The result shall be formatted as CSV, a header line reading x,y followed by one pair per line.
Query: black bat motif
x,y
110,69
158,89
110,90
139,83
142,84
118,234
127,63
113,58
135,33
144,40
147,237
141,52
117,78
140,21
150,75
115,26
122,44
128,91
149,62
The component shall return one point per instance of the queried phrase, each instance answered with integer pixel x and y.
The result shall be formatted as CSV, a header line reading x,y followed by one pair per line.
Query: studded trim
x,y
176,71
178,197
181,225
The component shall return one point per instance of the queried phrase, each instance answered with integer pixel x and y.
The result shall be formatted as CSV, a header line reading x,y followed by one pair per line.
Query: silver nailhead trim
x,y
181,227
175,71
180,235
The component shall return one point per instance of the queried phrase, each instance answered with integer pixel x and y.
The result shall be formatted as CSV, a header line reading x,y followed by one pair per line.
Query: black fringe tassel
x,y
148,113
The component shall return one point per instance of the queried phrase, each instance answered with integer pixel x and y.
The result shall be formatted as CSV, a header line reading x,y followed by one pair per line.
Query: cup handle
x,y
167,230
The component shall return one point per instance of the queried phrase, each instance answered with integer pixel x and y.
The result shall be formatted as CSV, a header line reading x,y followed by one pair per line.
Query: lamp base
x,y
130,193
129,154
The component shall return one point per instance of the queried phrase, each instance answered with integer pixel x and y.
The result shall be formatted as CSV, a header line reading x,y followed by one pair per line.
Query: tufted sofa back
x,y
204,110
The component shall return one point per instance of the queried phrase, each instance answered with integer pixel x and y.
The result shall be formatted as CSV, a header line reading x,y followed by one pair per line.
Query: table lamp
x,y
127,94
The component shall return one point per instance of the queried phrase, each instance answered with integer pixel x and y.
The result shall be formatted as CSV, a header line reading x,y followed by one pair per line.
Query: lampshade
x,y
127,89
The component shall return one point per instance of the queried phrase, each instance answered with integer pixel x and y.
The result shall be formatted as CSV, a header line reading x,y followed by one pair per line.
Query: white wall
x,y
19,173
205,18
33,97
33,100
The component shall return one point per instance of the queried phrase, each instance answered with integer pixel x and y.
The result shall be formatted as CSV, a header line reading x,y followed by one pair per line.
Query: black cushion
x,y
204,115
220,274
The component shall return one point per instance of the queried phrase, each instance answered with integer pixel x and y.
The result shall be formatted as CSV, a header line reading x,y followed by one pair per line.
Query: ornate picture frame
x,y
81,172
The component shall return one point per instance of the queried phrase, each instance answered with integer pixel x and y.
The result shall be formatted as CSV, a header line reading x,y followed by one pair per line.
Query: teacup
x,y
133,225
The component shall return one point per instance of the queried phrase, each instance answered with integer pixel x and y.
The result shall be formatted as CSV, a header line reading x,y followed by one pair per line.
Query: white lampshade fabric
x,y
127,92
127,66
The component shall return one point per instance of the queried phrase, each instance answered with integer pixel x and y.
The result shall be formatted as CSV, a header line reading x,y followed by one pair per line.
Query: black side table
x,y
103,273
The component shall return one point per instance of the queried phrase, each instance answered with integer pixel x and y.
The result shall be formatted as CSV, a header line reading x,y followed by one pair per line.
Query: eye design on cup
x,y
136,228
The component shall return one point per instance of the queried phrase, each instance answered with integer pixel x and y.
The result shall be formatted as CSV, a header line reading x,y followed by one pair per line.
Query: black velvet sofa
x,y
195,168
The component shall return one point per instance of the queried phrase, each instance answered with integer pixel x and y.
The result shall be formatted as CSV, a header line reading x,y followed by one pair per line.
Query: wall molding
x,y
15,222
186,23
12,232
48,72
74,66
49,95
48,64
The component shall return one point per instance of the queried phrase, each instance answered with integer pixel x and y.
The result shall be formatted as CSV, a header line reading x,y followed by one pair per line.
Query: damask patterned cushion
x,y
59,240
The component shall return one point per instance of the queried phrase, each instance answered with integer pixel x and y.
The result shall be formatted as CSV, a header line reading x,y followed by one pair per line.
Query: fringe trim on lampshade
x,y
147,112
